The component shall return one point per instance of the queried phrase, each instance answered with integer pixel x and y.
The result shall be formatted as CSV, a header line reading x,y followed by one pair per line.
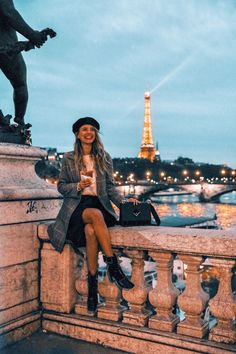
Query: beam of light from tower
x,y
168,77
172,73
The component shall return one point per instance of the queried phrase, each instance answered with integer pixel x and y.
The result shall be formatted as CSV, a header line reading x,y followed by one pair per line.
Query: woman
x,y
86,183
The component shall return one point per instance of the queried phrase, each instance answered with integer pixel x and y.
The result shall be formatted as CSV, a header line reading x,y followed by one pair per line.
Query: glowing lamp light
x,y
185,172
223,172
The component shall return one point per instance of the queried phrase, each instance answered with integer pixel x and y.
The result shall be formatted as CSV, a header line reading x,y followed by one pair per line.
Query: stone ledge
x,y
215,243
128,338
13,194
17,150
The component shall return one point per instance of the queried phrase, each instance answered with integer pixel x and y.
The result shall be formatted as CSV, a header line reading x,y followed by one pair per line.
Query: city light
x,y
148,174
130,177
185,172
223,172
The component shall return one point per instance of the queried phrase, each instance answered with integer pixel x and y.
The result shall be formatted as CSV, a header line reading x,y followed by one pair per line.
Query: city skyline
x,y
107,55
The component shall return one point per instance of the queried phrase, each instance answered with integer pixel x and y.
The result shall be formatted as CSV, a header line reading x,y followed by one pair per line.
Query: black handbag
x,y
139,214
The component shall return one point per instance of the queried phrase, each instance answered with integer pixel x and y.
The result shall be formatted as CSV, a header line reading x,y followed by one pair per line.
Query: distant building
x,y
157,153
53,155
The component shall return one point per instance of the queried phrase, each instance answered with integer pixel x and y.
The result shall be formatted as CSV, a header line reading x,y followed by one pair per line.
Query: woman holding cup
x,y
87,185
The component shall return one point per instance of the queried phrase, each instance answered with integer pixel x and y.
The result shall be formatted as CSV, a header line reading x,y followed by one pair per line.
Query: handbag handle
x,y
155,215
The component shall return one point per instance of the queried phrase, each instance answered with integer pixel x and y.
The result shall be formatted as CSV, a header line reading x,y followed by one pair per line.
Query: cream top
x,y
89,173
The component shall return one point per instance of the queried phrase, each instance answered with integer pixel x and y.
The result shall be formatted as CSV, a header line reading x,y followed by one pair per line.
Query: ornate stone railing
x,y
64,290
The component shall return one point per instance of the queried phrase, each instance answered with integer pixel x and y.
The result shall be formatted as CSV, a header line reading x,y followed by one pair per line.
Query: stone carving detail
x,y
13,133
137,314
193,300
223,305
163,297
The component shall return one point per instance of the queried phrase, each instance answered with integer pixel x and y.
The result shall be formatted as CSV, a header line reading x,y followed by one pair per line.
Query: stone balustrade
x,y
158,318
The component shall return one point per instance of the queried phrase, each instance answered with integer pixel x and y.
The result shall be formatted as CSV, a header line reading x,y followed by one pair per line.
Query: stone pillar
x,y
25,199
137,314
111,309
81,285
193,300
58,274
164,296
223,305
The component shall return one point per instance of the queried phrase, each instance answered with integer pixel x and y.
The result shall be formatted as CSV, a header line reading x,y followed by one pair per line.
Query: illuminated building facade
x,y
147,150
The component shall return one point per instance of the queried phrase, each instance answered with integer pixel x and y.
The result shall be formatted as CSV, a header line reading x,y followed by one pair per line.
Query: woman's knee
x,y
95,215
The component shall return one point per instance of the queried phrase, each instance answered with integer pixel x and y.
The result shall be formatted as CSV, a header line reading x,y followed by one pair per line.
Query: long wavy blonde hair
x,y
97,152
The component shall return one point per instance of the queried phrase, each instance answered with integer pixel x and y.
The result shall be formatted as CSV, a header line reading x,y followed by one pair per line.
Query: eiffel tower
x,y
147,150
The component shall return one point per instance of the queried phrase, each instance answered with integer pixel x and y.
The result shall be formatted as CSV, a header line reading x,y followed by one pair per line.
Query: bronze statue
x,y
12,63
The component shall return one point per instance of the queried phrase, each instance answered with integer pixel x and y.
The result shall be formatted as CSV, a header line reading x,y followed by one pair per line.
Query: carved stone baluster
x,y
223,305
137,314
193,300
111,309
81,286
163,297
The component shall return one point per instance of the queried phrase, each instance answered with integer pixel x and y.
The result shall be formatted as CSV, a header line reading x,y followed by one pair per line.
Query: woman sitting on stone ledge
x,y
86,183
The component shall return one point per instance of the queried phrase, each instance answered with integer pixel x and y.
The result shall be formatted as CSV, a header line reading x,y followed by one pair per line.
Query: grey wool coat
x,y
68,179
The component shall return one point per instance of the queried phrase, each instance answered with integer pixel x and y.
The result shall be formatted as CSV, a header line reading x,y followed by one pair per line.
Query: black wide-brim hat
x,y
85,120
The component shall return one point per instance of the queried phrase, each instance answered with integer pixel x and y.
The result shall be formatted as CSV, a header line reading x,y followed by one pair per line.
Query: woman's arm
x,y
67,188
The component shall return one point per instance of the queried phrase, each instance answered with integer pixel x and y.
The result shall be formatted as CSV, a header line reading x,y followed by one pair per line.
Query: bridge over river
x,y
141,189
207,192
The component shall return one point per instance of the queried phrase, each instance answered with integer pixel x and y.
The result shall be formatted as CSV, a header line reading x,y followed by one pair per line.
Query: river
x,y
189,206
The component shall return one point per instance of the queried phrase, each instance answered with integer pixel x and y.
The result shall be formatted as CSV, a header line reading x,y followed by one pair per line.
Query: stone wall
x,y
25,200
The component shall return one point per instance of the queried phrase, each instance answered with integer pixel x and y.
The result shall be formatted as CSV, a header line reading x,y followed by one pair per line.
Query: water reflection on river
x,y
189,206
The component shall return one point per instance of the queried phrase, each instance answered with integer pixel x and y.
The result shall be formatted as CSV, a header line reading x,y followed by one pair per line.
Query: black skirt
x,y
75,233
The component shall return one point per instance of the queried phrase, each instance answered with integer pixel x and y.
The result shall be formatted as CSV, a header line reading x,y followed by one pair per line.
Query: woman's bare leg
x,y
91,249
95,218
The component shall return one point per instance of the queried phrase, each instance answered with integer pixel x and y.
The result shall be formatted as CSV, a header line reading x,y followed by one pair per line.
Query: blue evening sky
x,y
109,52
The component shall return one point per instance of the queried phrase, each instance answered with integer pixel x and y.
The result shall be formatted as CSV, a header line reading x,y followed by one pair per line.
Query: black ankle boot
x,y
92,302
115,273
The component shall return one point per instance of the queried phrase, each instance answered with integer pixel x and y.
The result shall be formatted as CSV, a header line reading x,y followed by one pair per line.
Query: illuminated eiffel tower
x,y
147,150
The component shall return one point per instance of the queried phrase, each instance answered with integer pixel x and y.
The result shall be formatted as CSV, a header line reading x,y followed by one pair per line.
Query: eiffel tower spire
x,y
147,149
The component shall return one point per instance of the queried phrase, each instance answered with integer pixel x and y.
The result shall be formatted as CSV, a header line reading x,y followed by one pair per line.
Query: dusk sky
x,y
109,52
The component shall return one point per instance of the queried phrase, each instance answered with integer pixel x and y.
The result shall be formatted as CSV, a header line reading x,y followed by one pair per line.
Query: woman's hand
x,y
85,183
134,200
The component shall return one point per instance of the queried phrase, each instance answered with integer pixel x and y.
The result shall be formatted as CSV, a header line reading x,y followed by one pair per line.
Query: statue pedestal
x,y
25,200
